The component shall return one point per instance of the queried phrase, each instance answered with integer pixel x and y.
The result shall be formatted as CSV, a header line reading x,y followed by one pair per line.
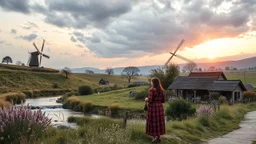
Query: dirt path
x,y
244,135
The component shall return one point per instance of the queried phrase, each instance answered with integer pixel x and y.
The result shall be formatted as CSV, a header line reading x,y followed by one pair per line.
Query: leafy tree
x,y
7,60
227,68
130,73
67,71
166,75
190,67
109,71
200,70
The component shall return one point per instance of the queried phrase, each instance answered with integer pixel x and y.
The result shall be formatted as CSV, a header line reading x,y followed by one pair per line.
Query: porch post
x,y
181,92
194,95
233,97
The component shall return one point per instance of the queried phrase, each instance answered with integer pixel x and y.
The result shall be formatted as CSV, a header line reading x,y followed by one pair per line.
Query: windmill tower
x,y
33,60
178,56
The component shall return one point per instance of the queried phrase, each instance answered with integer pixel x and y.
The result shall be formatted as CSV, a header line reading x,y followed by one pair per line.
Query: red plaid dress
x,y
155,125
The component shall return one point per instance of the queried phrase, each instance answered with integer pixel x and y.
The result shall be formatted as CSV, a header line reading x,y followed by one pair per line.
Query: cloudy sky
x,y
112,33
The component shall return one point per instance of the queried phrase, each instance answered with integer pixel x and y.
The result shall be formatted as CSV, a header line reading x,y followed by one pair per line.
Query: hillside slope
x,y
13,80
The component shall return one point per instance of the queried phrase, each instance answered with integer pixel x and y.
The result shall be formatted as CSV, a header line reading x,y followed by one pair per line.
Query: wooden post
x,y
214,105
125,119
218,105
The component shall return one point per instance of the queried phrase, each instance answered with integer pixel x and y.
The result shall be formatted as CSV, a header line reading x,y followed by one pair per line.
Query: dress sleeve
x,y
150,96
163,97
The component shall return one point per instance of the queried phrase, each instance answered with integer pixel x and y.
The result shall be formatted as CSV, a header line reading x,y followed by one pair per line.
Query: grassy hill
x,y
18,80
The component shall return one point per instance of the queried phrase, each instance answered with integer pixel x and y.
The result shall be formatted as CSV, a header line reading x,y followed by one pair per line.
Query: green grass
x,y
177,132
17,80
120,97
248,78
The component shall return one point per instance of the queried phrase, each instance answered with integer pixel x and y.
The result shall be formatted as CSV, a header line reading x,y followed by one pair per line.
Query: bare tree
x,y
190,67
7,60
109,71
66,71
130,73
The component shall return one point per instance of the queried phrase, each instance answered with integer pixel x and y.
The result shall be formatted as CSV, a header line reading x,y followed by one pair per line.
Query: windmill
x,y
33,60
178,56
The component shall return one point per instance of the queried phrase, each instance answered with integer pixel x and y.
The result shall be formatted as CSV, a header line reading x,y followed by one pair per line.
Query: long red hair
x,y
157,85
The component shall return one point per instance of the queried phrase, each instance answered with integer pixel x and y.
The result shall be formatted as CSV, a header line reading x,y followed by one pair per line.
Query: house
x,y
249,87
197,86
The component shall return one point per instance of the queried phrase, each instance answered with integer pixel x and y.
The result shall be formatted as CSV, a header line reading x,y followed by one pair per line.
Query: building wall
x,y
239,89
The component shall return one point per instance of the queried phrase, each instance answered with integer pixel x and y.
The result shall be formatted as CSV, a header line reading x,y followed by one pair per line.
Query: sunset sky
x,y
113,33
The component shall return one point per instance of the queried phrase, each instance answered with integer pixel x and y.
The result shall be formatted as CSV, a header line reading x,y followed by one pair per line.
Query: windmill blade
x,y
181,42
46,56
36,47
43,46
183,58
168,60
40,60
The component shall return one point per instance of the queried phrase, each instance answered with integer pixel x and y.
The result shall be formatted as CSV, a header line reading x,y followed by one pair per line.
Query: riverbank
x,y
193,130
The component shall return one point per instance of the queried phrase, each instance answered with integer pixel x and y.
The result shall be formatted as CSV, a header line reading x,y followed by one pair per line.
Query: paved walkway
x,y
244,135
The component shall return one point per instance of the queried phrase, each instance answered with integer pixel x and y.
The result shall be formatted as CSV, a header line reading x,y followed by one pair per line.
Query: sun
x,y
211,57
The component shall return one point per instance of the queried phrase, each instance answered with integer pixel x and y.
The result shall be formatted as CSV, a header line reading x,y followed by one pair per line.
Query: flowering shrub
x,y
204,110
21,122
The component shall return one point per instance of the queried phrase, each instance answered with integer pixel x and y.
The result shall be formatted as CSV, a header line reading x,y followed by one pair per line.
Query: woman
x,y
155,125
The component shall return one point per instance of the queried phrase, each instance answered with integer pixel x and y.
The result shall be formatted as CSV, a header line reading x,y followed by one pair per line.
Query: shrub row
x,y
114,110
15,98
107,88
43,93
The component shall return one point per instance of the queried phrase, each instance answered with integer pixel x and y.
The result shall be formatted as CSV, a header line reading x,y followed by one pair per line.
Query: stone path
x,y
244,135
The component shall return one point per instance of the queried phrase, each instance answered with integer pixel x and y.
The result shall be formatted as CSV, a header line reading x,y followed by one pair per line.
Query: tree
x,y
19,63
109,71
200,70
166,75
89,71
130,73
227,68
190,67
211,68
7,60
66,71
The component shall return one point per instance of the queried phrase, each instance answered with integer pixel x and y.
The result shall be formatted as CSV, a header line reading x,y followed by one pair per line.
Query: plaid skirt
x,y
155,124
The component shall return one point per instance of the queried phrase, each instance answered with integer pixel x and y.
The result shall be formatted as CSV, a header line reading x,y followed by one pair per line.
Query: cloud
x,y
80,14
133,28
73,39
29,25
15,5
29,37
13,31
80,46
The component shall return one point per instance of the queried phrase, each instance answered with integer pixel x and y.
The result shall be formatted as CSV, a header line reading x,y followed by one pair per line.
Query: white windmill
x,y
178,56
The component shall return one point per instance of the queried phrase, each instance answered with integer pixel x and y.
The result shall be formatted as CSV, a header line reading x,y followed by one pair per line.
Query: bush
x,y
55,85
21,123
142,95
114,108
49,92
85,90
28,93
249,95
214,95
204,111
15,98
86,106
223,100
73,103
131,86
4,103
179,110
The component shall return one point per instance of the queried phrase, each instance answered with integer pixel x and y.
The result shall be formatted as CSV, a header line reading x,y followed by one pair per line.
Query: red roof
x,y
207,74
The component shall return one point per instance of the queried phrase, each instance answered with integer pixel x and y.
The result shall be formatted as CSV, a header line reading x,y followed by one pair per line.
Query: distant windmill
x,y
178,56
33,60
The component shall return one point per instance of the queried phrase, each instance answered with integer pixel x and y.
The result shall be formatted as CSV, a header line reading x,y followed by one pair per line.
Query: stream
x,y
55,111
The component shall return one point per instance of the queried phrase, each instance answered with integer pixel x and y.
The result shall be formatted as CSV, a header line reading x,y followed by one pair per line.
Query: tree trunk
x,y
129,80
